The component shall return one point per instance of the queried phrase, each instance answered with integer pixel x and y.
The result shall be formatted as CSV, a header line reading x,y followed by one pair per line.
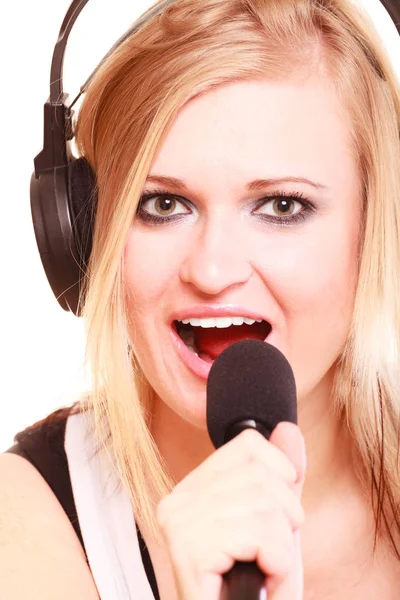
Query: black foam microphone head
x,y
249,381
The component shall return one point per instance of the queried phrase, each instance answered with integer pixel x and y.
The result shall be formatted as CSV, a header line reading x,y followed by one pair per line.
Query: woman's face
x,y
219,246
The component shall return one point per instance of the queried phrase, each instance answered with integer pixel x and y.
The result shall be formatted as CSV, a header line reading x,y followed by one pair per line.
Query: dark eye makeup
x,y
283,199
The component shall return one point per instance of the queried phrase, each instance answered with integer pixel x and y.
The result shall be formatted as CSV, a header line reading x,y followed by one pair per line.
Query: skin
x,y
301,277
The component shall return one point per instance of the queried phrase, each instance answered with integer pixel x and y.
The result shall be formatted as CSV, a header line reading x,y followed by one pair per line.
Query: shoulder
x,y
40,553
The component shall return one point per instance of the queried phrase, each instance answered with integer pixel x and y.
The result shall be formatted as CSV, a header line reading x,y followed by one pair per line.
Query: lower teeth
x,y
192,349
188,338
201,355
206,358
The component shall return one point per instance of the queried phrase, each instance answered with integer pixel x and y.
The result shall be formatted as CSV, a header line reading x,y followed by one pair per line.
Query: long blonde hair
x,y
188,49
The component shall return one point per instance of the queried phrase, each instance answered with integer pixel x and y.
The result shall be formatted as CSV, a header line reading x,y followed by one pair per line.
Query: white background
x,y
42,346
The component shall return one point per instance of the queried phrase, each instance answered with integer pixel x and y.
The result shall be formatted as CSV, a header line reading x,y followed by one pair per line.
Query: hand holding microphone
x,y
235,519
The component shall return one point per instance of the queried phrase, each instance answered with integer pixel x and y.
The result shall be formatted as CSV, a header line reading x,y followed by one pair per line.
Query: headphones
x,y
63,188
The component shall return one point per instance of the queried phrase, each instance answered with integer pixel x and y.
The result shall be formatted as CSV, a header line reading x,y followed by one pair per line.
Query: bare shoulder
x,y
40,554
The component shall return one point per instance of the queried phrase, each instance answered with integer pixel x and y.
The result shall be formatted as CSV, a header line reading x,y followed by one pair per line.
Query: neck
x,y
329,448
328,444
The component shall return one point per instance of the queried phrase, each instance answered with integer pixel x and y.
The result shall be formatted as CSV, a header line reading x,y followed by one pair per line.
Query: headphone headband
x,y
63,189
75,9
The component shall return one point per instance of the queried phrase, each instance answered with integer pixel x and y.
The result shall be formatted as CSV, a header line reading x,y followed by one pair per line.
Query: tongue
x,y
213,341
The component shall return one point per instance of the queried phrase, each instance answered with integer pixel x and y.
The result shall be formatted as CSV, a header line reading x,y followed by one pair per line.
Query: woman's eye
x,y
281,207
162,206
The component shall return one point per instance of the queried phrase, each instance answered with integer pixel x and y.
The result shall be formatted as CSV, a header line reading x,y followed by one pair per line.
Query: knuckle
x,y
246,548
259,449
258,472
263,516
289,472
284,466
295,513
287,555
278,551
264,513
300,516
252,440
267,496
294,510
284,562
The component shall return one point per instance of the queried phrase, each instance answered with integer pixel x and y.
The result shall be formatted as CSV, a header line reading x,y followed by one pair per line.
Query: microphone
x,y
250,386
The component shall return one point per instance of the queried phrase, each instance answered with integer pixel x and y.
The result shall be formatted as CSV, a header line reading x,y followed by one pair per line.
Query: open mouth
x,y
208,339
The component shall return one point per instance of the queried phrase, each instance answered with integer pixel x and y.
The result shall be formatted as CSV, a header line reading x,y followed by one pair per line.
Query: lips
x,y
199,352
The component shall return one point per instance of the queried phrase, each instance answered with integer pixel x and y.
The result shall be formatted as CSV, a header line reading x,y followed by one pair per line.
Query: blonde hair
x,y
188,49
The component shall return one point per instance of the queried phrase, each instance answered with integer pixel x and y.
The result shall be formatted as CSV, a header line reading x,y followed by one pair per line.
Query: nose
x,y
217,258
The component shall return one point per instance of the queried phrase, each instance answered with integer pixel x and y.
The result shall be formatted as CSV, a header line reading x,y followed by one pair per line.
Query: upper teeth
x,y
220,321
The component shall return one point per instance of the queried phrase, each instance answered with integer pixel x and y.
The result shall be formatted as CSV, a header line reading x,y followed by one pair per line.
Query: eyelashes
x,y
159,193
173,201
288,198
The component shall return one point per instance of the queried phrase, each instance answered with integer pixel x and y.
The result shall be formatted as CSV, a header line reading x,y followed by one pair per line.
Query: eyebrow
x,y
252,186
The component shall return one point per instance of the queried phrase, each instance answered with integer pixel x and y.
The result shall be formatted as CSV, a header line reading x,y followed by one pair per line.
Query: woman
x,y
261,138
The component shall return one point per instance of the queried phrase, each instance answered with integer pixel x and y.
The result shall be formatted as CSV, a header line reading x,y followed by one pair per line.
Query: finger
x,y
270,543
289,439
252,488
247,447
293,583
249,492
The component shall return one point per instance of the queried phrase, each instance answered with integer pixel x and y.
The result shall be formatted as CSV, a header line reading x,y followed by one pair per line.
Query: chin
x,y
179,413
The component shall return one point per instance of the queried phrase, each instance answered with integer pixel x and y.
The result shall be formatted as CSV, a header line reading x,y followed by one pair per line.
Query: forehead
x,y
256,129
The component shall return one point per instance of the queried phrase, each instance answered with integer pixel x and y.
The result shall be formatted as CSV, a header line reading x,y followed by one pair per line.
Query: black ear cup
x,y
84,205
63,205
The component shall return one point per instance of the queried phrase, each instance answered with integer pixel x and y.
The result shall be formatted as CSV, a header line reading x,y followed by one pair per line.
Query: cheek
x,y
314,284
322,274
328,258
150,261
312,271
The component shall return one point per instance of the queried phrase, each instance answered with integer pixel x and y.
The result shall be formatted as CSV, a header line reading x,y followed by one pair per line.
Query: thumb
x,y
288,438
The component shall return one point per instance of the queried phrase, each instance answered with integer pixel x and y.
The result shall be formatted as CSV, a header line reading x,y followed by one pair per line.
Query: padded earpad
x,y
83,198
